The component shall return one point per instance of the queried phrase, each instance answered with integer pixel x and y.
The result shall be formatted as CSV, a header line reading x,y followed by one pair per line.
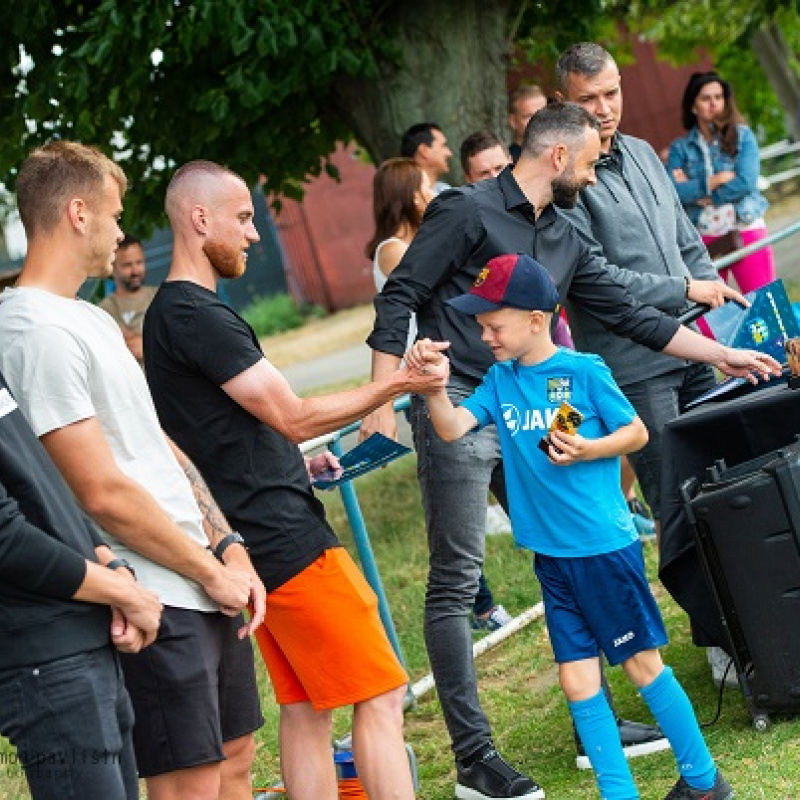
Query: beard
x,y
566,190
228,261
133,283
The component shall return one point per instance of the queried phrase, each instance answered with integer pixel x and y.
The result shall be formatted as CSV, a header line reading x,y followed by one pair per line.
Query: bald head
x,y
197,183
211,213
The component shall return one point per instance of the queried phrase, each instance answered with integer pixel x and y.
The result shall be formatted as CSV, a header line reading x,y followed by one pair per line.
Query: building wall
x,y
324,236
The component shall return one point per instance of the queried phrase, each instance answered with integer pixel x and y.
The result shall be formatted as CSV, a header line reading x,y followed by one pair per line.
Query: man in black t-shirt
x,y
57,632
237,418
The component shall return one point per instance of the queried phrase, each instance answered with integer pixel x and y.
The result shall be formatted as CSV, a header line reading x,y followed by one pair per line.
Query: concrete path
x,y
345,365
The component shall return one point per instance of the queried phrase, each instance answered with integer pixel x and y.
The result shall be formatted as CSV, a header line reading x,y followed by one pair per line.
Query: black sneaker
x,y
490,777
637,739
721,791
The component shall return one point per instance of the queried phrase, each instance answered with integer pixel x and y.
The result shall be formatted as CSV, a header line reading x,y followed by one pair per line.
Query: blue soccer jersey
x,y
571,511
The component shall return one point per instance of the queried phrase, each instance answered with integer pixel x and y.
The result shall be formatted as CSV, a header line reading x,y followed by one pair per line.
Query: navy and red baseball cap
x,y
509,281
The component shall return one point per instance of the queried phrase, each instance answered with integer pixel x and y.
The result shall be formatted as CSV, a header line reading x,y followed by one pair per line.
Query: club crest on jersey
x,y
559,389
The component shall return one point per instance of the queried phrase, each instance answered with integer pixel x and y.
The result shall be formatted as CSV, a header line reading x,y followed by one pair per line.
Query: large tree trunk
x,y
454,57
772,52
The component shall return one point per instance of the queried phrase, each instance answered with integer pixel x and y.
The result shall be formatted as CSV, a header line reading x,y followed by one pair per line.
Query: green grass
x,y
517,679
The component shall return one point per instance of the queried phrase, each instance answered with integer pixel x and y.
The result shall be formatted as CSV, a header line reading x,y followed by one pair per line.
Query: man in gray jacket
x,y
633,218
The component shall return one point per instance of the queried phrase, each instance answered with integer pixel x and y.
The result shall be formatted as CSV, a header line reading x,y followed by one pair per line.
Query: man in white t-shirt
x,y
194,692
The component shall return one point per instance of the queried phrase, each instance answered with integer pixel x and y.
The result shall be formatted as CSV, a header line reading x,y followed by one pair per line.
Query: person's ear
x,y
559,96
560,157
199,218
536,321
77,214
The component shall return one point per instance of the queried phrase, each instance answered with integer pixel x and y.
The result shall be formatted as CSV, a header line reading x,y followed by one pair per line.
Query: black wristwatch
x,y
226,542
121,562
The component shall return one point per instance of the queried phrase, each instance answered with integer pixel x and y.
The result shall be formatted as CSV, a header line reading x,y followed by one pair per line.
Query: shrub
x,y
278,312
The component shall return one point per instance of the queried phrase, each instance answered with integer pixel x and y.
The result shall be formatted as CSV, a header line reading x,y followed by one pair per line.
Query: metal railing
x,y
738,255
778,150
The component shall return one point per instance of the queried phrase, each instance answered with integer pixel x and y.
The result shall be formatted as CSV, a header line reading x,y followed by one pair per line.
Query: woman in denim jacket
x,y
715,169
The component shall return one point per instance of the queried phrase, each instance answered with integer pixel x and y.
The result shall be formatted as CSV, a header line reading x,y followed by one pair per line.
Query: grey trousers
x,y
455,478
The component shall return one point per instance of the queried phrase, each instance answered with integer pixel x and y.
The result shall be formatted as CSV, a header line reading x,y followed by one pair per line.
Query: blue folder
x,y
764,326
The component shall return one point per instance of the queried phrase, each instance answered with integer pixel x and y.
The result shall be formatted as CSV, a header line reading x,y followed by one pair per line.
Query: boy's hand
x,y
425,357
573,447
425,353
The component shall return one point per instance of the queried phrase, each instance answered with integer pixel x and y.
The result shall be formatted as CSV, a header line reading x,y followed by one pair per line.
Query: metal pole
x,y
366,555
778,236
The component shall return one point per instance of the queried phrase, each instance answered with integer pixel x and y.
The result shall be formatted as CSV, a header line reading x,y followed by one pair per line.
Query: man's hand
x,y
381,420
125,636
135,621
236,556
714,293
427,366
324,462
748,364
425,353
427,380
230,588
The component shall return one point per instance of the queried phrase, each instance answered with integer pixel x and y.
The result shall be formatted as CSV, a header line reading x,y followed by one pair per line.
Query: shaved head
x,y
197,183
211,213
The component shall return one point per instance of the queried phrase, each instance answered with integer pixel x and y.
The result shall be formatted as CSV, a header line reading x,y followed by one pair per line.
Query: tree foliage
x,y
265,86
269,86
725,29
163,81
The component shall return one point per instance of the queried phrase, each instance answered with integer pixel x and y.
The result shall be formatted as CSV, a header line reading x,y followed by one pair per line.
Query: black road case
x,y
746,524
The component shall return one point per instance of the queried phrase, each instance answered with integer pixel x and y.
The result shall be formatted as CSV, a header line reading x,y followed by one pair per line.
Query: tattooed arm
x,y
215,524
217,528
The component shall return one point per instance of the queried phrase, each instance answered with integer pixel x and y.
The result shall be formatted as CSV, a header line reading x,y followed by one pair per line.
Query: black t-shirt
x,y
194,343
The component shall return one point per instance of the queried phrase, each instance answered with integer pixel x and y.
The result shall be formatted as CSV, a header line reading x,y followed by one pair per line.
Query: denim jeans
x,y
657,401
71,722
455,478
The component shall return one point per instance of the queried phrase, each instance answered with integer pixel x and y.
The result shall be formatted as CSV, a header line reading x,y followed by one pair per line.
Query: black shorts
x,y
192,689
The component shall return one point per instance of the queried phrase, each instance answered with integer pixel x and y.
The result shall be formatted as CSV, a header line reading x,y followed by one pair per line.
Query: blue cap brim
x,y
472,304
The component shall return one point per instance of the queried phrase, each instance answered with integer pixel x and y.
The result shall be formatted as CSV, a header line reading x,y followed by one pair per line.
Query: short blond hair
x,y
54,173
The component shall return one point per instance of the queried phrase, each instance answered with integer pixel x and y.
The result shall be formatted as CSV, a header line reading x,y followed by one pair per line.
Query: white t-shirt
x,y
65,360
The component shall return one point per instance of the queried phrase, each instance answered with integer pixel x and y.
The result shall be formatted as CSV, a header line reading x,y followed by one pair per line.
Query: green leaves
x,y
267,87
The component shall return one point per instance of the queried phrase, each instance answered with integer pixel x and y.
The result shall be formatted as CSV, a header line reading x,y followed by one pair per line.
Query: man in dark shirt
x,y
461,231
63,703
236,416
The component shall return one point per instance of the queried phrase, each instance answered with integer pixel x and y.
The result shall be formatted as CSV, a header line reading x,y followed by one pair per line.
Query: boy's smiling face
x,y
512,332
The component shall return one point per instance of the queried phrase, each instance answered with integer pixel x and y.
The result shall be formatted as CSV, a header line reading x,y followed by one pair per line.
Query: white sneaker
x,y
498,617
497,520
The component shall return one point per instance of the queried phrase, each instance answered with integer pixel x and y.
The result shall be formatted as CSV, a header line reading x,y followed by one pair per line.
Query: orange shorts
x,y
323,640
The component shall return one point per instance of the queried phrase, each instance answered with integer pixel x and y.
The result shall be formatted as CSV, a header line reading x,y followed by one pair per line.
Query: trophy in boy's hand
x,y
566,420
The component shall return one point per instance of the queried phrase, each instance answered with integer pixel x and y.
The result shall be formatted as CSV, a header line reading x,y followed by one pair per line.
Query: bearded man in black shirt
x,y
461,231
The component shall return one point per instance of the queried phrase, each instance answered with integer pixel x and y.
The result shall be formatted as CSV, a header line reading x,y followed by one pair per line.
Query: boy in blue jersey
x,y
588,555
